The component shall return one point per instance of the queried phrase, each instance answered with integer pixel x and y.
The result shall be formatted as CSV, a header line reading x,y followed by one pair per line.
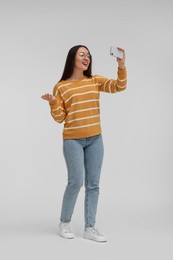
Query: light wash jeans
x,y
83,158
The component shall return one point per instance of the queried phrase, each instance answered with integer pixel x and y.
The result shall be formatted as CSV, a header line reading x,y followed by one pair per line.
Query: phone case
x,y
115,52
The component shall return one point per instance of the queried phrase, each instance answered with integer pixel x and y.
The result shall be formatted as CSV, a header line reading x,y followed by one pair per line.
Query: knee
x,y
92,184
75,185
92,189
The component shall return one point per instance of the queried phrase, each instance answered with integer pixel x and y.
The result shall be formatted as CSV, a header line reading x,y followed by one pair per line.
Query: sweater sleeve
x,y
57,108
112,85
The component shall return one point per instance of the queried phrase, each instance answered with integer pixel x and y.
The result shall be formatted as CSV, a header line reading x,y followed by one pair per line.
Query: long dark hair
x,y
69,64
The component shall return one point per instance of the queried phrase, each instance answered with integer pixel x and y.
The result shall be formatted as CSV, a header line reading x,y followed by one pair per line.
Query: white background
x,y
136,201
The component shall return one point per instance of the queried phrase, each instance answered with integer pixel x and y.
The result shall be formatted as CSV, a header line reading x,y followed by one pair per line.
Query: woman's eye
x,y
81,54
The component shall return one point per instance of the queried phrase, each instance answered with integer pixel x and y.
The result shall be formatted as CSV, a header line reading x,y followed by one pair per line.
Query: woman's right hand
x,y
50,98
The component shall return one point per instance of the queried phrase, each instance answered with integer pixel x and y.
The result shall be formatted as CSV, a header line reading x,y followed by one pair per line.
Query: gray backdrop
x,y
136,201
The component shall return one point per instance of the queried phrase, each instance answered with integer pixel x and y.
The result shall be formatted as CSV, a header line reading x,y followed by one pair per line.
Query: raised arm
x,y
114,85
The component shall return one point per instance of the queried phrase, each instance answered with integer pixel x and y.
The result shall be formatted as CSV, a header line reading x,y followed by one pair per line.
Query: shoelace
x,y
67,227
96,232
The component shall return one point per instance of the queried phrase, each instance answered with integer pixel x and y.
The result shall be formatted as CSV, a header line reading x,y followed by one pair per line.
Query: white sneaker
x,y
65,230
93,234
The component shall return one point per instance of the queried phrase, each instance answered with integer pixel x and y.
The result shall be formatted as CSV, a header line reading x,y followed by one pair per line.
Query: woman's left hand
x,y
121,62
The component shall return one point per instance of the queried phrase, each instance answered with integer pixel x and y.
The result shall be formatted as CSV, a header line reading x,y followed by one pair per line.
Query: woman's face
x,y
82,59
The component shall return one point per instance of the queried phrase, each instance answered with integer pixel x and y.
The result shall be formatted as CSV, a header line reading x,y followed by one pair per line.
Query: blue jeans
x,y
83,158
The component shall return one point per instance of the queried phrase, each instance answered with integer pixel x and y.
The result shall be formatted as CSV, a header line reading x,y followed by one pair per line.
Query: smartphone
x,y
115,52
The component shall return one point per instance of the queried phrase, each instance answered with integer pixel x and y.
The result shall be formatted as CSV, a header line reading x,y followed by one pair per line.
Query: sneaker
x,y
93,234
65,230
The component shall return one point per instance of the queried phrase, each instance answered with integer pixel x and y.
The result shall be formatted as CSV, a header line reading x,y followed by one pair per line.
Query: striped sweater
x,y
77,103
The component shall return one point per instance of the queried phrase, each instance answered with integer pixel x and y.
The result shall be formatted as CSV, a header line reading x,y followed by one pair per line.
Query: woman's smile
x,y
85,63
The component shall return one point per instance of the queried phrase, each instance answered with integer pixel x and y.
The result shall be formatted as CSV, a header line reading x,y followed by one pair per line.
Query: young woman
x,y
75,101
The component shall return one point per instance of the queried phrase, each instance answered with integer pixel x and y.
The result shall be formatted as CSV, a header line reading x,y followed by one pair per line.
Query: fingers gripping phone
x,y
114,51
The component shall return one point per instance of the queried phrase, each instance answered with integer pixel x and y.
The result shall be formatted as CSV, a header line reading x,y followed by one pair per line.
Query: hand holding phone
x,y
114,51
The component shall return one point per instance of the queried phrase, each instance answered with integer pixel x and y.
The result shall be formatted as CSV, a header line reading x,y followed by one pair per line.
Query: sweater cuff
x,y
122,72
54,103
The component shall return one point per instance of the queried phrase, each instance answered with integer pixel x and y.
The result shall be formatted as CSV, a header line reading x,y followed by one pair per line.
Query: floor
x,y
132,237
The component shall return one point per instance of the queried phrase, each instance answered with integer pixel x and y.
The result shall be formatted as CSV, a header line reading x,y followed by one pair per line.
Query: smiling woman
x,y
81,64
78,63
75,101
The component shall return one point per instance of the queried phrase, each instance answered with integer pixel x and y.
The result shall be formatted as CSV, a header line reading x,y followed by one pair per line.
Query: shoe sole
x,y
103,241
66,237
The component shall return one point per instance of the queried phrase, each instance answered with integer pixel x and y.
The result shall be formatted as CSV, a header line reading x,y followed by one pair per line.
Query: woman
x,y
75,101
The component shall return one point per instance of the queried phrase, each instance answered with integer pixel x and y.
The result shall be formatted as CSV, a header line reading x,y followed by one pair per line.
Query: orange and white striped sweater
x,y
77,103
